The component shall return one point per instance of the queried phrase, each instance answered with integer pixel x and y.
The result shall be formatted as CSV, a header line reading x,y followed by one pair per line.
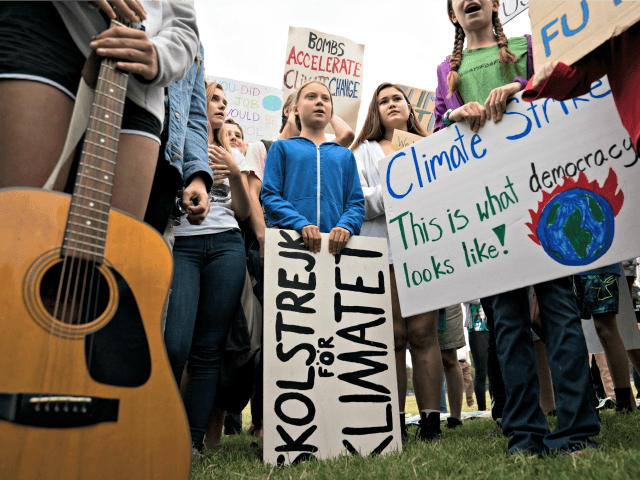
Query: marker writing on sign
x,y
291,301
357,334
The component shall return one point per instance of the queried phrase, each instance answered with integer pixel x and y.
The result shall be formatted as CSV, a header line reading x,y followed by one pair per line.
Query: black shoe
x,y
453,423
429,427
496,432
403,427
552,413
623,400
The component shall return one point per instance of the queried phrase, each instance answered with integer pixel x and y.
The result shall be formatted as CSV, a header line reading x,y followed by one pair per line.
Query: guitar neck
x,y
86,231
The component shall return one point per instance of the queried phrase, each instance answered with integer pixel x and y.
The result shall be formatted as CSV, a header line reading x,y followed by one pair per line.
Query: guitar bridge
x,y
57,411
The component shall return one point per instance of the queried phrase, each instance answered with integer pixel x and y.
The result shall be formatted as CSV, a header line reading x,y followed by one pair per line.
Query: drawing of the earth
x,y
576,227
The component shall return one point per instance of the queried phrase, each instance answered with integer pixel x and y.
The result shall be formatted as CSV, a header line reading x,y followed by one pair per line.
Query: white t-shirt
x,y
368,154
221,217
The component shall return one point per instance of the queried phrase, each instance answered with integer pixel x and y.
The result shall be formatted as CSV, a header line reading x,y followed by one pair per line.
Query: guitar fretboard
x,y
85,235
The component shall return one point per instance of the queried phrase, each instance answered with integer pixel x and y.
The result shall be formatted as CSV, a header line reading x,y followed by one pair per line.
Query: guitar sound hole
x,y
81,292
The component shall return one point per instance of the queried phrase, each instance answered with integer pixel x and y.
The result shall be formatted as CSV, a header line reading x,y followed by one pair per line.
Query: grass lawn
x,y
464,453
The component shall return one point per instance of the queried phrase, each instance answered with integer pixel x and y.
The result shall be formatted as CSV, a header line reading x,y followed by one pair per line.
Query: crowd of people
x,y
187,170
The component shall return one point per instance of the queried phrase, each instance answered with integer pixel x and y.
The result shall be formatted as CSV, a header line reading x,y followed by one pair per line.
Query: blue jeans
x,y
208,277
523,420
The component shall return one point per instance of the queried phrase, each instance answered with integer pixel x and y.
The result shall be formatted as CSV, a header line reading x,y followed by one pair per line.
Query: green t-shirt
x,y
481,71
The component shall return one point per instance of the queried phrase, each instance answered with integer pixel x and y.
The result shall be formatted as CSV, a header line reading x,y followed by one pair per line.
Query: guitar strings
x,y
71,264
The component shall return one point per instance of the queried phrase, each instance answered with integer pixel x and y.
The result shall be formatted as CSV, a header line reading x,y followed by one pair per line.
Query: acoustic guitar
x,y
86,390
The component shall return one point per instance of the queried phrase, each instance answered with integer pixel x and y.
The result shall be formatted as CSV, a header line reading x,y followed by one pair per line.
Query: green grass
x,y
464,453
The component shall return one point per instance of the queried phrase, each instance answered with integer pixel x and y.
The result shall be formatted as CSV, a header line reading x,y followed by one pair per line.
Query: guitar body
x,y
119,416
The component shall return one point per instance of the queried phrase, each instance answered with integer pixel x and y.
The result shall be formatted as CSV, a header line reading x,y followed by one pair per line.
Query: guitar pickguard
x,y
118,354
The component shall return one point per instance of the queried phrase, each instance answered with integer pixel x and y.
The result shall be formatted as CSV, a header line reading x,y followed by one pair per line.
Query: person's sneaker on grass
x,y
623,401
453,422
429,427
606,403
497,431
573,450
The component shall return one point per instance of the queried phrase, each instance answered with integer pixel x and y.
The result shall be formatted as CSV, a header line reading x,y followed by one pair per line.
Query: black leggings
x,y
479,345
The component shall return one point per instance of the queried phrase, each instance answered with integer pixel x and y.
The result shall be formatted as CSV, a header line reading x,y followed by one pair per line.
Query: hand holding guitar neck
x,y
133,49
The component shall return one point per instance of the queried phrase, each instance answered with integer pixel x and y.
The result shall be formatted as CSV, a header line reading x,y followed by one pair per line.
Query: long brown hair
x,y
217,136
505,55
291,100
373,128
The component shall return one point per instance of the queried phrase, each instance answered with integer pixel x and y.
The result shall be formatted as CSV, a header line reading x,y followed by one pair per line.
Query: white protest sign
x,y
329,364
256,108
471,215
330,59
567,31
510,9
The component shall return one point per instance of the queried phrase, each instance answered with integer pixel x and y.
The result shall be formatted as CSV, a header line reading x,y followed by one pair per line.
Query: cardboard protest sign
x,y
424,102
567,31
256,108
548,192
330,59
329,364
625,319
402,139
510,9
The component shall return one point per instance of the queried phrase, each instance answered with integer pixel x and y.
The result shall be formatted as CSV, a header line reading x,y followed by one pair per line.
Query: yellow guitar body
x,y
150,438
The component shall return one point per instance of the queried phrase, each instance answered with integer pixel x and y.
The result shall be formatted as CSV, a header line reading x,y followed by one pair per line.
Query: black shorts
x,y
36,46
597,294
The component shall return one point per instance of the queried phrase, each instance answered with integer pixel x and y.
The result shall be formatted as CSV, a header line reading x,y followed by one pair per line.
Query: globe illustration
x,y
576,227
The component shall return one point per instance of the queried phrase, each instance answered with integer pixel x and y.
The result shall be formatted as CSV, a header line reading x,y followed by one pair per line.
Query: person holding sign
x,y
473,87
390,109
290,180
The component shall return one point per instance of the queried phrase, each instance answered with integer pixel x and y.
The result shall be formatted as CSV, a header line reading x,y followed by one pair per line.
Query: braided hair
x,y
505,56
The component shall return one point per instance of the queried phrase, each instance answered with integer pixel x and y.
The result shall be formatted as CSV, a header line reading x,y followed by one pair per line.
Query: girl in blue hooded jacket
x,y
311,185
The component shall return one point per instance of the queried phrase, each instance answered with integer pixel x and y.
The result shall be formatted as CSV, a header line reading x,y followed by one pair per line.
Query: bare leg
x,y
455,384
547,401
135,168
34,119
422,333
607,330
401,374
468,382
214,430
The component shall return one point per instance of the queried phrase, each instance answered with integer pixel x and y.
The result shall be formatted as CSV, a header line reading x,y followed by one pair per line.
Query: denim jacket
x,y
186,125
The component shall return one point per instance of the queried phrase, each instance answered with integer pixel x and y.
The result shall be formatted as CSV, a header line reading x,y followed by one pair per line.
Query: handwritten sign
x,y
330,59
256,108
402,139
423,102
329,365
567,31
510,9
548,192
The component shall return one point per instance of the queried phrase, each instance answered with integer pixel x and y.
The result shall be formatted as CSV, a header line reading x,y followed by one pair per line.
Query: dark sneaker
x,y
496,432
453,423
552,413
573,450
606,403
623,400
429,427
